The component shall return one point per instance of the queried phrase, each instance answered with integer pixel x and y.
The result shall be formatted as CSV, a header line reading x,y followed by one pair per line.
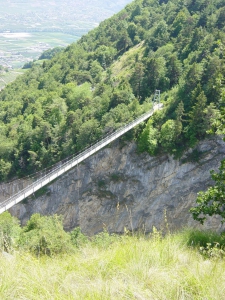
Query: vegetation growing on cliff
x,y
212,201
109,76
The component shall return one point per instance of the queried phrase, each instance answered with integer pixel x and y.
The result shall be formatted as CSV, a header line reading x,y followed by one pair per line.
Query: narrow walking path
x,y
61,168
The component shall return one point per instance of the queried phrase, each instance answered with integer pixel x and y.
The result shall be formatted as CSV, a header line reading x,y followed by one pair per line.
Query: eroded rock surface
x,y
118,188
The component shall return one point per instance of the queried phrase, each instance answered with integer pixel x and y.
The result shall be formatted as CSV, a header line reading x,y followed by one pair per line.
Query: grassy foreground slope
x,y
103,80
125,267
42,261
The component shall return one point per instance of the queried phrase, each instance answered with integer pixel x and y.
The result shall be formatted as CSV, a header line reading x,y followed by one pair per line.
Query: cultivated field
x,y
27,28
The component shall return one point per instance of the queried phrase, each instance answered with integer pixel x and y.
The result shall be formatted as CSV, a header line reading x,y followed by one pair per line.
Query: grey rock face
x,y
118,188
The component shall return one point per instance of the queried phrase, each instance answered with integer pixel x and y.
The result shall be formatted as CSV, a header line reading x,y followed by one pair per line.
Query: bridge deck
x,y
64,167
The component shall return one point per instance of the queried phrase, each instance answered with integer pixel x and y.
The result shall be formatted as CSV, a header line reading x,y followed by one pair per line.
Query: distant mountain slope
x,y
109,76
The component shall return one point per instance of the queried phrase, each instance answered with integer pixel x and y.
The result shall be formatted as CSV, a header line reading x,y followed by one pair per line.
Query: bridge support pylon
x,y
157,96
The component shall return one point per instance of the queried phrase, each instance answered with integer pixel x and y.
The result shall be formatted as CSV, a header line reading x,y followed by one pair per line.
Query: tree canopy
x,y
109,76
212,201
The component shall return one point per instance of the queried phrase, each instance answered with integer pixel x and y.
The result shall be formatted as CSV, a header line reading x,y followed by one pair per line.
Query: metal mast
x,y
157,96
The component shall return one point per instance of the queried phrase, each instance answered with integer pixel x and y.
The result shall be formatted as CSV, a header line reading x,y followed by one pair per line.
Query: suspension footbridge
x,y
62,167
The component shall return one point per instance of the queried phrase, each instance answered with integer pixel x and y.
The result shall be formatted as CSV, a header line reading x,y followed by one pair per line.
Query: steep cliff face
x,y
119,188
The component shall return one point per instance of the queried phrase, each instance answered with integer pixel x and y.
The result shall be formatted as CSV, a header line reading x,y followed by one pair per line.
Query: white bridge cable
x,y
66,164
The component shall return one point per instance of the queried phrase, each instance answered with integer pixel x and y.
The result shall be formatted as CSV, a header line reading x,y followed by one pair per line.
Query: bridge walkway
x,y
61,168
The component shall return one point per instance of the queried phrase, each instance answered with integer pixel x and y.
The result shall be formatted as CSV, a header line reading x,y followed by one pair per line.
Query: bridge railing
x,y
63,167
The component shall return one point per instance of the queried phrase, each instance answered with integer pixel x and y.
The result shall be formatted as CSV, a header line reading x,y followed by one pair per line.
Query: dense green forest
x,y
109,77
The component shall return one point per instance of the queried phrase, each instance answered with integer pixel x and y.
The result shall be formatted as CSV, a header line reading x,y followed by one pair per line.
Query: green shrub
x,y
198,238
78,238
9,232
44,235
104,239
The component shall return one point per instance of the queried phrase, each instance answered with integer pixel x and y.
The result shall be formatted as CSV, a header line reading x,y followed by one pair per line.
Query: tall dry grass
x,y
126,267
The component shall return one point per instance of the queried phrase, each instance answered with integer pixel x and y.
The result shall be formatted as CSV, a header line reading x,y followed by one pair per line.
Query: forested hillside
x,y
109,76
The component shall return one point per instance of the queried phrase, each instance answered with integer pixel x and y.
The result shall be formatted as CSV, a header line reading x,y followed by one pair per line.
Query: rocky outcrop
x,y
118,188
